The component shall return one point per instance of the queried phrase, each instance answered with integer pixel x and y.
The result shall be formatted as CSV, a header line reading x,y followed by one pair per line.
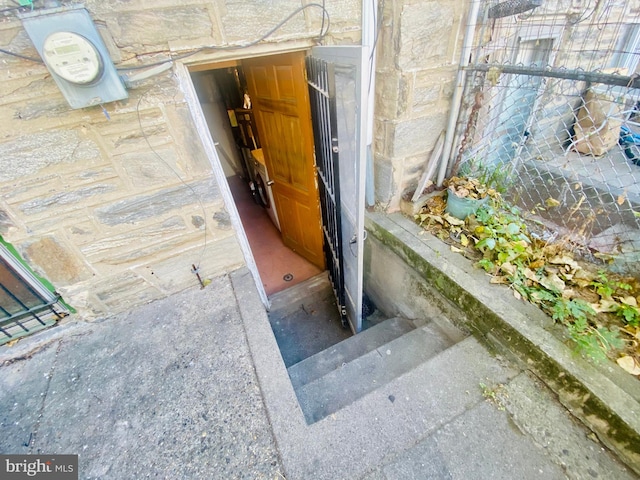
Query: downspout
x,y
457,94
369,33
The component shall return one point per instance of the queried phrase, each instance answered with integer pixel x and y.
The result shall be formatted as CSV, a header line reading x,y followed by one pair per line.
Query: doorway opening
x,y
281,231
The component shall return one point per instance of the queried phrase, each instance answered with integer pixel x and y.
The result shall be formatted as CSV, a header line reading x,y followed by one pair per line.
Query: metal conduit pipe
x,y
457,94
369,35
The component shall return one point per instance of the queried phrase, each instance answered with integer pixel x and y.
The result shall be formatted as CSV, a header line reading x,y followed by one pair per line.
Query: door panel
x,y
280,100
339,118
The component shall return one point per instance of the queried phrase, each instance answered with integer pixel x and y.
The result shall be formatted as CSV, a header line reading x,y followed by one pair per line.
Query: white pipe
x,y
369,28
457,94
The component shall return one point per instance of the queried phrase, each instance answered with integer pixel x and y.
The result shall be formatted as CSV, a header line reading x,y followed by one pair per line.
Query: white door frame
x,y
186,85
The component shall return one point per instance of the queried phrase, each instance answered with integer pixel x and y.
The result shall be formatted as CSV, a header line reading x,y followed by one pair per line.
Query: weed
x,y
545,275
494,395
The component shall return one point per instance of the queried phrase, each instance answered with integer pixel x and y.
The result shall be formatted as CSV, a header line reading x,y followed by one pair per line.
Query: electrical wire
x,y
190,187
323,32
31,59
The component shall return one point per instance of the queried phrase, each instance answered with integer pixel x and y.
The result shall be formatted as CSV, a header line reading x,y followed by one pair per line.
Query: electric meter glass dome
x,y
72,57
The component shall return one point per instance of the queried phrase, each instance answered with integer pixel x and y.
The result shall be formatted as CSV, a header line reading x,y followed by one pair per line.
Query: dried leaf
x,y
499,280
629,364
551,202
456,249
621,199
531,275
508,268
605,305
564,260
517,295
629,300
453,220
552,282
464,240
537,264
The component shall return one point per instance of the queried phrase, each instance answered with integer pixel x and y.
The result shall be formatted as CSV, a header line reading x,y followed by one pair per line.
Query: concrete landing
x,y
305,319
434,421
167,391
194,387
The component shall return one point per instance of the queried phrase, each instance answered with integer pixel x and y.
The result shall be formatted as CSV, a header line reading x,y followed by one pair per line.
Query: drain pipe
x,y
456,102
369,32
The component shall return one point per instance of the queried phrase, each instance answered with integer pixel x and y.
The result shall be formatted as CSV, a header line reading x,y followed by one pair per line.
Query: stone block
x,y
27,154
57,263
125,125
416,136
5,222
89,174
133,139
28,88
144,247
71,199
191,152
156,27
428,90
246,20
392,94
425,32
144,207
384,179
124,291
175,273
151,168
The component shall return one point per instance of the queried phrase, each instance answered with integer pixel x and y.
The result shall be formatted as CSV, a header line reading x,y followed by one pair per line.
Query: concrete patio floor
x,y
194,387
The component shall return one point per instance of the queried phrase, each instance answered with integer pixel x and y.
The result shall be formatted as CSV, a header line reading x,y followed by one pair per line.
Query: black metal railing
x,y
25,305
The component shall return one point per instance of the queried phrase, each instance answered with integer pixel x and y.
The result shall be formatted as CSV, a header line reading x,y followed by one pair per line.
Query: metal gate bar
x,y
26,308
320,77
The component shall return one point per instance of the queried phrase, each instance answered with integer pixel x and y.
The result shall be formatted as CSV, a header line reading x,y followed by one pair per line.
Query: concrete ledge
x,y
604,398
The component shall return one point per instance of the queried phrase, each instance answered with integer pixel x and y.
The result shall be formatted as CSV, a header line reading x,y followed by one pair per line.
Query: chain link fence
x,y
551,106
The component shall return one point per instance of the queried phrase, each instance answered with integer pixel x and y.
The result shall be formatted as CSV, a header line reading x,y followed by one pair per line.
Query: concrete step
x,y
334,357
308,291
364,374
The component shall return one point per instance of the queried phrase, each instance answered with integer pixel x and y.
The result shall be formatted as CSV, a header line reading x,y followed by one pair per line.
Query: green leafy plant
x,y
546,275
495,176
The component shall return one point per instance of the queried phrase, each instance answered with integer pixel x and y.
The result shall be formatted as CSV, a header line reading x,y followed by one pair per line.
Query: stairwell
x,y
342,373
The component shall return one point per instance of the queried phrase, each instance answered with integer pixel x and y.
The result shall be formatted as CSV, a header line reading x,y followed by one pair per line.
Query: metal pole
x,y
474,9
369,33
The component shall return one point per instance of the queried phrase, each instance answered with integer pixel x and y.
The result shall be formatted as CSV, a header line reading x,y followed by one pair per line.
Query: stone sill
x,y
605,398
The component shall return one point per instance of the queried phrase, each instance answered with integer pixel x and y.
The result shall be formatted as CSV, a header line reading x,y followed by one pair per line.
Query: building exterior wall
x,y
418,57
109,220
115,208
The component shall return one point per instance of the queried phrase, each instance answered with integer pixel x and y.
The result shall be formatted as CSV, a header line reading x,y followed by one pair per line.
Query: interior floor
x,y
304,316
279,266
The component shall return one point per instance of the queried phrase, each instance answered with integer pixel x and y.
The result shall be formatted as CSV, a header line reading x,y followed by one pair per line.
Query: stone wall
x,y
116,209
417,62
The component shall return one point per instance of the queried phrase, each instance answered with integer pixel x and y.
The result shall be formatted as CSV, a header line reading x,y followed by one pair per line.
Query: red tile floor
x,y
273,258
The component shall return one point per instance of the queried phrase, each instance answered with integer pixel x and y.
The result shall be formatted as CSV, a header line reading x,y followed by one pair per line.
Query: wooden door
x,y
280,103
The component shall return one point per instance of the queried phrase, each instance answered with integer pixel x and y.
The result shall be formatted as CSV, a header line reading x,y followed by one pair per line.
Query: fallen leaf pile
x,y
600,310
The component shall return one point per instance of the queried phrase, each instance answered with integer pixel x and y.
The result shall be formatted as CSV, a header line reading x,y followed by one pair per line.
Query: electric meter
x,y
74,53
72,57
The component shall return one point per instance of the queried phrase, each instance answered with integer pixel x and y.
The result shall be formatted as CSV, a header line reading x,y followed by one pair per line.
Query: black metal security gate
x,y
26,306
339,107
320,77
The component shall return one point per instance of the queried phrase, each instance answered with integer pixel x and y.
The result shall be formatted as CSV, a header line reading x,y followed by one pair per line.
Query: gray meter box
x,y
73,51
